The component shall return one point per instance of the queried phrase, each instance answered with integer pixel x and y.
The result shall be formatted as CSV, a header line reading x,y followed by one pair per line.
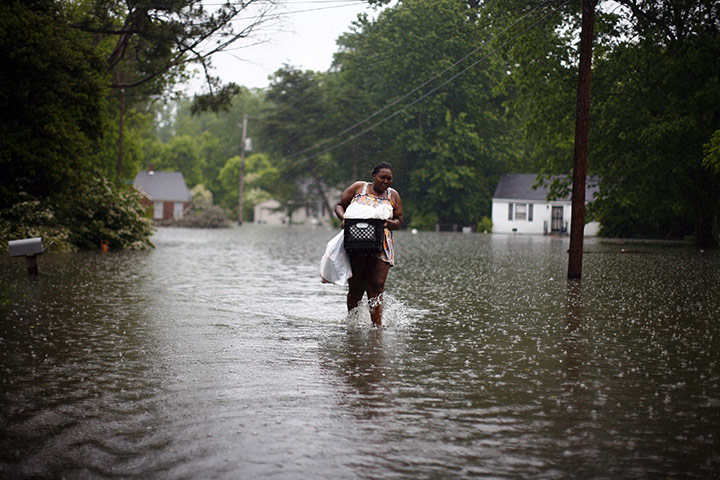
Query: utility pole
x,y
577,223
120,135
242,169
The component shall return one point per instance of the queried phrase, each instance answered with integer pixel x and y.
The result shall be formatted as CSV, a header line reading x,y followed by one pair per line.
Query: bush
x,y
424,221
102,211
30,218
485,225
210,217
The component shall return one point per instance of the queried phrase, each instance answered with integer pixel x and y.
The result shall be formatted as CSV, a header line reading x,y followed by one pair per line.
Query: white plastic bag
x,y
335,264
357,210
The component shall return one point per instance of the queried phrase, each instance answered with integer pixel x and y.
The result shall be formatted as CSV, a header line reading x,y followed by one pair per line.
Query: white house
x,y
313,212
518,208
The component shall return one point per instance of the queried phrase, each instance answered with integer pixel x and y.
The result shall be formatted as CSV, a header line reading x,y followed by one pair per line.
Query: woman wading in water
x,y
369,271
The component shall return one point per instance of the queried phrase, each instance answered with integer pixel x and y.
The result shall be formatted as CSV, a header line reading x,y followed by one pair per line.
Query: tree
x,y
218,137
182,154
260,176
654,105
659,105
295,120
150,43
405,62
52,93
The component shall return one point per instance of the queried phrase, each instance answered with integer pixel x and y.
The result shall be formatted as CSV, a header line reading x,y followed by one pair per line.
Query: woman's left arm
x,y
396,222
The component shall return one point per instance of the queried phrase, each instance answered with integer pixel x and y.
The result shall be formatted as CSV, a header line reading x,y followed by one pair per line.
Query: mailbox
x,y
29,248
25,247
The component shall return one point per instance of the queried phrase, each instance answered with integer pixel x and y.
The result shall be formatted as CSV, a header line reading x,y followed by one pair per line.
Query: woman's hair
x,y
380,166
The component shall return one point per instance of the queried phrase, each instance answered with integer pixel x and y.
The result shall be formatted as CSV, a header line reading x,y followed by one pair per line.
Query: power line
x,y
414,90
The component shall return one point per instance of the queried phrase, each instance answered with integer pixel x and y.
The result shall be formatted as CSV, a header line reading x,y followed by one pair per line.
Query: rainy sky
x,y
300,32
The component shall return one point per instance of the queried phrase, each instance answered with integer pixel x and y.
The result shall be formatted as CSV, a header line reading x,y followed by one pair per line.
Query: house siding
x,y
541,216
541,223
519,189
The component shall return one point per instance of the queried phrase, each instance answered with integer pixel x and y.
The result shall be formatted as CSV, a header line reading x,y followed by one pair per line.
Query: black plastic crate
x,y
364,235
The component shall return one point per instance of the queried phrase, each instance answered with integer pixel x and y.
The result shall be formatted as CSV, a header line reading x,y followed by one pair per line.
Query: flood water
x,y
219,354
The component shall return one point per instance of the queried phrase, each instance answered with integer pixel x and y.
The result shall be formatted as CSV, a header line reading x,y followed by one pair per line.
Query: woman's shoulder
x,y
356,187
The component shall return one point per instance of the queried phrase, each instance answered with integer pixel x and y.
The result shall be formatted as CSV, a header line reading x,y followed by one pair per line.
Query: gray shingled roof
x,y
518,186
163,186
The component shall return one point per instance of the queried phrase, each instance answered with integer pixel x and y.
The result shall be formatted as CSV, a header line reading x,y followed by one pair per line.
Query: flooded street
x,y
221,355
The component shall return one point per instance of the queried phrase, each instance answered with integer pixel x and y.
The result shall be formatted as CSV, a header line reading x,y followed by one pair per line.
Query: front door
x,y
556,224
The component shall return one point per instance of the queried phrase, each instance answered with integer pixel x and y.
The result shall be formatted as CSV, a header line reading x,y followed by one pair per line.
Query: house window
x,y
520,211
510,211
178,210
158,210
530,212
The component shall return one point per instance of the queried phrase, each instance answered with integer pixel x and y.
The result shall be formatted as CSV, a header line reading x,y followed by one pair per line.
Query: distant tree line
x,y
452,92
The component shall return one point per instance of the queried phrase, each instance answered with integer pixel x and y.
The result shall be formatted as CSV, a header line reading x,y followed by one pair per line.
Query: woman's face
x,y
382,180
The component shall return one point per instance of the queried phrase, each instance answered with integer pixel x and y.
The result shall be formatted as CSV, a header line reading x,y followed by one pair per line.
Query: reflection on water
x,y
221,355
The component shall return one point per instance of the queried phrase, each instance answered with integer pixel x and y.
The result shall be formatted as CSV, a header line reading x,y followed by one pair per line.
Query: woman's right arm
x,y
345,200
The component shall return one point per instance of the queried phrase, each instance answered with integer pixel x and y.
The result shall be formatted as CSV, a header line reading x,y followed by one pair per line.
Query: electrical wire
x,y
422,85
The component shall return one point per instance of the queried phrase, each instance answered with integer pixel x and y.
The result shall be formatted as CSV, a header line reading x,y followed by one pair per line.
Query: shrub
x,y
30,218
209,217
485,225
102,211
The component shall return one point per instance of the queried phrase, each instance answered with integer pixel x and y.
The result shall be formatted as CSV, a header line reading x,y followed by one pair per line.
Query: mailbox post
x,y
29,248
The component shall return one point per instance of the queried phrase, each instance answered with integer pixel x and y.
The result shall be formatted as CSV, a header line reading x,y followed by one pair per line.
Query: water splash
x,y
396,314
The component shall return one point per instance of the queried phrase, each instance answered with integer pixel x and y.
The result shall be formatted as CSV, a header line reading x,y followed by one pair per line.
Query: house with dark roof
x,y
517,207
165,192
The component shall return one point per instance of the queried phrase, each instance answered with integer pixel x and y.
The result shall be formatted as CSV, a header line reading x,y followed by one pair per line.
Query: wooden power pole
x,y
120,133
577,223
242,169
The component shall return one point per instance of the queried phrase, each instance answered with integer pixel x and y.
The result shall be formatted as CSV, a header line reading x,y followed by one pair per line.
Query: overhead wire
x,y
424,84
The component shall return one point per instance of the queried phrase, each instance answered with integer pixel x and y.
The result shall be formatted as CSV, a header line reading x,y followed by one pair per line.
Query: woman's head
x,y
380,166
382,176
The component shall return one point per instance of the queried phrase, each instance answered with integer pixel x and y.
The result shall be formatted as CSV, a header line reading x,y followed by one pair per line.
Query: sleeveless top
x,y
365,198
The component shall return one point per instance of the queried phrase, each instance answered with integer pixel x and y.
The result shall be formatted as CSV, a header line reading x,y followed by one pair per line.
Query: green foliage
x,y
217,138
140,146
654,105
101,211
216,102
52,96
202,198
295,120
447,147
712,152
261,178
485,225
210,217
148,44
182,154
657,104
30,218
459,180
423,220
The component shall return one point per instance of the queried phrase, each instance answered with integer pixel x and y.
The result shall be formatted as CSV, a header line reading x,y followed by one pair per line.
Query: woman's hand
x,y
393,224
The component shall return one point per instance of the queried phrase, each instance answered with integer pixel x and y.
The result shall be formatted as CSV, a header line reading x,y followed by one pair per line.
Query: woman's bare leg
x,y
357,282
375,288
